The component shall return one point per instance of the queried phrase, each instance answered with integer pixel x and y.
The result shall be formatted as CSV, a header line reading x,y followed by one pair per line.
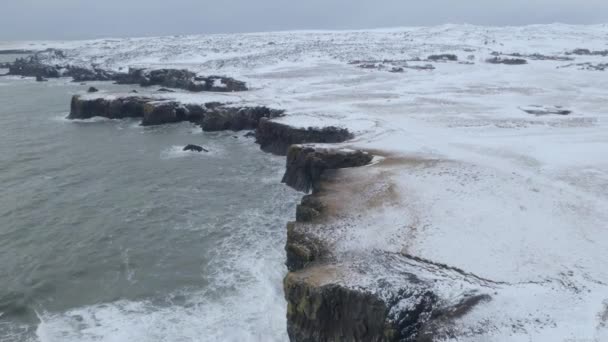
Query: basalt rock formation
x,y
114,108
371,296
222,118
305,164
272,136
210,116
276,137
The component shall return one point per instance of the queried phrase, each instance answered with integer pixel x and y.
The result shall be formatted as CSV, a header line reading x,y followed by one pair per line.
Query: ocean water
x,y
109,232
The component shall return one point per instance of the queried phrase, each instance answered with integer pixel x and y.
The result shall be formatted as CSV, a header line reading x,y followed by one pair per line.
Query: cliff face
x,y
342,288
213,116
210,116
275,137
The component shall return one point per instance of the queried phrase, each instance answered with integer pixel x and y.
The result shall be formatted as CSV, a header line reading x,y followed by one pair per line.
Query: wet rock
x,y
303,249
219,118
305,164
443,57
92,90
507,61
194,148
40,79
125,107
397,69
210,116
276,137
163,112
165,90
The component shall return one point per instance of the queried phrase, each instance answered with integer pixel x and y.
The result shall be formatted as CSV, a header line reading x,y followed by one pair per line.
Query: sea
x,y
110,232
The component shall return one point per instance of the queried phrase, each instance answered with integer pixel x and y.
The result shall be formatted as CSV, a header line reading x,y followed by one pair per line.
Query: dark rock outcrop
x,y
443,57
587,66
535,56
546,110
156,111
30,67
222,118
112,108
276,137
16,52
80,74
587,52
92,90
41,64
162,112
352,302
507,61
40,79
36,65
194,148
305,164
180,79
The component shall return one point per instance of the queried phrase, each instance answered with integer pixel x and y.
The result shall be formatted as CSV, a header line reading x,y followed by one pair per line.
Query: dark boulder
x,y
194,148
92,90
40,79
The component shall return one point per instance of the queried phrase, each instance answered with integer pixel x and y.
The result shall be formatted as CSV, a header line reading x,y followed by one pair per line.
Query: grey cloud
x,y
73,19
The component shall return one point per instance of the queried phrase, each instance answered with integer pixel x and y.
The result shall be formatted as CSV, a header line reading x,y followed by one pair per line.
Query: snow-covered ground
x,y
480,185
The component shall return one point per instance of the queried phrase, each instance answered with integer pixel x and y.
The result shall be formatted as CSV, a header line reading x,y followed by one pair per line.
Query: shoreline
x,y
485,217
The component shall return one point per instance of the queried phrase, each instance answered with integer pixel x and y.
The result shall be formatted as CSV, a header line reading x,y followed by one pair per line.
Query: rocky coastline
x,y
38,65
324,302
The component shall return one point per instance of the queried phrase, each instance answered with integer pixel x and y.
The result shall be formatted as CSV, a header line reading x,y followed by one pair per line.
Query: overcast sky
x,y
76,19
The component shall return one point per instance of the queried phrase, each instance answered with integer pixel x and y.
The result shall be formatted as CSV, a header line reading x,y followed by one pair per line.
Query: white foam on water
x,y
176,151
243,302
96,119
